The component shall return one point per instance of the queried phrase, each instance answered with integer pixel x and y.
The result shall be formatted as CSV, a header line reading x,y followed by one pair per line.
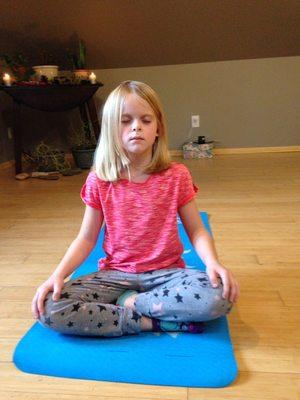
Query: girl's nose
x,y
136,126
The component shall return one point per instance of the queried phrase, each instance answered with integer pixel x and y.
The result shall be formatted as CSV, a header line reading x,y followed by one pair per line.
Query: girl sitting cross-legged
x,y
134,188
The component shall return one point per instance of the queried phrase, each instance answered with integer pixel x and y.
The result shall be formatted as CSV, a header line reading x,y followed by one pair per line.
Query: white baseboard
x,y
178,153
246,150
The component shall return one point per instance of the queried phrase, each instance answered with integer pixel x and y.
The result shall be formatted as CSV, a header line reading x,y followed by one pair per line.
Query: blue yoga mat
x,y
153,358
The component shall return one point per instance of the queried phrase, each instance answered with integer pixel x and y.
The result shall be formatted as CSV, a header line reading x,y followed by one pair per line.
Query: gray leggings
x,y
87,304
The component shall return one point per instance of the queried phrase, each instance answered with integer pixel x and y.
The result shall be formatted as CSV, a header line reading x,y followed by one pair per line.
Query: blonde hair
x,y
110,158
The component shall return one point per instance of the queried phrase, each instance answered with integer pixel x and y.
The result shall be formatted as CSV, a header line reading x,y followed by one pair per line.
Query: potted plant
x,y
47,68
79,61
47,158
83,143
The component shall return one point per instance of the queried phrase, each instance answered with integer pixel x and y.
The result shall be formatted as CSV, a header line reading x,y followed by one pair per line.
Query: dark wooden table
x,y
50,98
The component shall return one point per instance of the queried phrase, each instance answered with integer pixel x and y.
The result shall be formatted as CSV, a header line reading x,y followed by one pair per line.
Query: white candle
x,y
92,78
7,80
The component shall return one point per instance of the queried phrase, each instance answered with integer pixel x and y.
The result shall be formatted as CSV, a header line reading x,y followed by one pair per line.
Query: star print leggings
x,y
87,305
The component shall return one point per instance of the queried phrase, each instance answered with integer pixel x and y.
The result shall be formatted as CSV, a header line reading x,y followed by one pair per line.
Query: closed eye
x,y
126,121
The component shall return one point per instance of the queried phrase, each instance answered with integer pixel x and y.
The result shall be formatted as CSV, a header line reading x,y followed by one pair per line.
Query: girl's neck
x,y
136,169
138,165
137,172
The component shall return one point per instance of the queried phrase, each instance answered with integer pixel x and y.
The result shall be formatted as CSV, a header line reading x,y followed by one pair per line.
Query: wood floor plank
x,y
15,381
253,386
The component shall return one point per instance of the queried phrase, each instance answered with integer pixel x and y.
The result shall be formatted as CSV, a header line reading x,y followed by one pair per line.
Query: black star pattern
x,y
90,312
48,321
175,316
135,316
113,312
203,282
70,324
166,292
202,279
228,309
62,313
91,320
168,275
65,295
76,307
156,294
99,325
101,308
158,277
196,295
178,298
95,296
184,282
116,323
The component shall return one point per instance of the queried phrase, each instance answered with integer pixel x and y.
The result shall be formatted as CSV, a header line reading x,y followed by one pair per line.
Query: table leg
x,y
17,132
93,117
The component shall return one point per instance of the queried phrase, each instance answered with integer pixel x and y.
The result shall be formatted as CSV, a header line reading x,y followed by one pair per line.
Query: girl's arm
x,y
83,244
205,248
75,255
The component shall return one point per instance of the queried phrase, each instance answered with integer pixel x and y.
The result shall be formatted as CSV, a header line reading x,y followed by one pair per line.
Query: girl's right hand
x,y
53,284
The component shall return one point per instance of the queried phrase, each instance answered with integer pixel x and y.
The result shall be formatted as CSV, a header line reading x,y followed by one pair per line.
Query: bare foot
x,y
146,324
129,302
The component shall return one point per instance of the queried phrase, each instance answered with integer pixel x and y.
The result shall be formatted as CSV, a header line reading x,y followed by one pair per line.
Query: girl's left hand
x,y
231,290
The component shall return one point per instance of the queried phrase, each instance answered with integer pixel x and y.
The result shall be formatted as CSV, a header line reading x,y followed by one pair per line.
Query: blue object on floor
x,y
170,358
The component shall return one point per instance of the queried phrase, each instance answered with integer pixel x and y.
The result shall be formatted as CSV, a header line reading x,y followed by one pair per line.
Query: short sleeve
x,y
90,191
187,189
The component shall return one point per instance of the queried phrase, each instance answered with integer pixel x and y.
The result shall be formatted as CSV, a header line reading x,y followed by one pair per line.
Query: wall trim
x,y
7,164
246,150
11,163
178,153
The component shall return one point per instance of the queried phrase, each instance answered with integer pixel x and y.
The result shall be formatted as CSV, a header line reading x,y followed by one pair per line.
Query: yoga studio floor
x,y
254,206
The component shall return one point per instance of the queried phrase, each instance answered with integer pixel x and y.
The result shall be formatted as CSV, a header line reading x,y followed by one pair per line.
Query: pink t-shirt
x,y
141,231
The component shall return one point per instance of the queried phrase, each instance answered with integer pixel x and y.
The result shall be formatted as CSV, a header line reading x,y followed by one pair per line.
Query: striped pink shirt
x,y
141,231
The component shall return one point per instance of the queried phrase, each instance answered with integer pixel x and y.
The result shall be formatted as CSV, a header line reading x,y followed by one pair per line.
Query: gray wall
x,y
243,103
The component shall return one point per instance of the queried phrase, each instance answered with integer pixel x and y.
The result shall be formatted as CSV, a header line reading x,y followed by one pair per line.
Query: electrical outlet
x,y
9,133
195,121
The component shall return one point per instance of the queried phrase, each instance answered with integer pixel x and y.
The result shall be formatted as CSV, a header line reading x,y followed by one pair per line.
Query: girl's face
x,y
138,127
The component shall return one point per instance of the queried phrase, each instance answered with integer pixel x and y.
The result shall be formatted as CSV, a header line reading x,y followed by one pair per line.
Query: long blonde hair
x,y
110,158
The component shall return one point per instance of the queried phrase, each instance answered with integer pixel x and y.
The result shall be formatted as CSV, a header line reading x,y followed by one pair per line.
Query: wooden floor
x,y
254,207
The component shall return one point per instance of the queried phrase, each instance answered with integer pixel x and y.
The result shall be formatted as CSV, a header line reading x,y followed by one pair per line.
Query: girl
x,y
142,283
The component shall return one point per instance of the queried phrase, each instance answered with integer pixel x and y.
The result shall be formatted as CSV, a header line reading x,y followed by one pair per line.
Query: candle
x,y
7,80
92,78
